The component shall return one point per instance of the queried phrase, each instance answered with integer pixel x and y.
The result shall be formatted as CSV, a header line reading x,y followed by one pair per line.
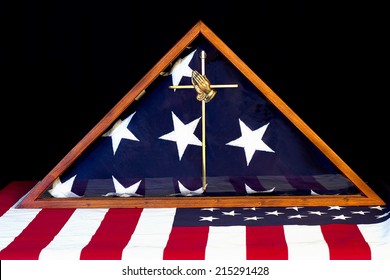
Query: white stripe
x,y
74,235
150,235
13,222
378,238
306,242
226,243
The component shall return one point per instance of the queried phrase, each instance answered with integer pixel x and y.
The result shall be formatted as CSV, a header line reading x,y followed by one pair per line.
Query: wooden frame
x,y
33,199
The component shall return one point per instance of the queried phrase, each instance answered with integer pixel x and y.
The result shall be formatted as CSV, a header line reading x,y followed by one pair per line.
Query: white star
x,y
360,212
377,207
383,215
319,213
335,208
251,141
209,218
123,191
275,213
249,190
186,192
120,131
313,192
299,216
181,68
294,208
254,218
210,209
252,208
182,134
341,217
231,213
61,190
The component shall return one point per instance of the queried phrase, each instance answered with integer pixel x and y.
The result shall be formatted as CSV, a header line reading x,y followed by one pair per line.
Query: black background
x,y
65,64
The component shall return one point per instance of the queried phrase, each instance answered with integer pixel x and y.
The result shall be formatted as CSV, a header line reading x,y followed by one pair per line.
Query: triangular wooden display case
x,y
34,200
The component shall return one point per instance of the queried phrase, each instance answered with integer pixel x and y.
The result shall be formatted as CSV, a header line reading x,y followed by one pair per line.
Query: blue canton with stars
x,y
280,216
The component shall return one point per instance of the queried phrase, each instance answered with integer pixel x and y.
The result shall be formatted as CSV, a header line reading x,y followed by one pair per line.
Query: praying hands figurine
x,y
202,87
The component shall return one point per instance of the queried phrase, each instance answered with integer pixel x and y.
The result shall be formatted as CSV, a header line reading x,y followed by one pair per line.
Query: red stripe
x,y
112,235
37,235
346,242
266,243
10,194
186,243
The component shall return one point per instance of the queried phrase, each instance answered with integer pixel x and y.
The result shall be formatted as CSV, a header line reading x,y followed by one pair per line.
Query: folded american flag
x,y
282,233
154,149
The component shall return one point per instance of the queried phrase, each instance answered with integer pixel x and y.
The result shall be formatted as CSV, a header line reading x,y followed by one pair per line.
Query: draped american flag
x,y
281,233
154,148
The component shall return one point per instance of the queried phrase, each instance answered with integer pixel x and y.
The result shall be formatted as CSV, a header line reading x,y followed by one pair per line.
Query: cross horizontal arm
x,y
212,86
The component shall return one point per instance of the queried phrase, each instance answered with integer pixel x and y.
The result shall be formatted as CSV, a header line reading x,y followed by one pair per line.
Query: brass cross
x,y
205,92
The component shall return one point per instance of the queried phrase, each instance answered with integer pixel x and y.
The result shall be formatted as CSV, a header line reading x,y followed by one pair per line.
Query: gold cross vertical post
x,y
205,92
203,69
